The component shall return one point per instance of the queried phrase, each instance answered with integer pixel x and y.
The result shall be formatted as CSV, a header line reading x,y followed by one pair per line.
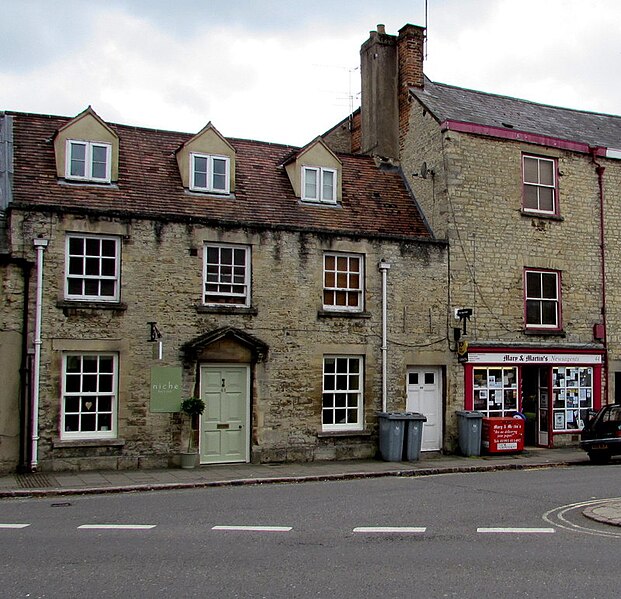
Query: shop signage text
x,y
533,358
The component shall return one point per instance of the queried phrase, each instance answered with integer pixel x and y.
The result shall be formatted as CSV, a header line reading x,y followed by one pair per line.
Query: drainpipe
x,y
40,245
599,169
384,267
24,374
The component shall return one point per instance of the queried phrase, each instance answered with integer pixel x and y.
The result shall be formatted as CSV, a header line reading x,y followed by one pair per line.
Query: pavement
x,y
51,484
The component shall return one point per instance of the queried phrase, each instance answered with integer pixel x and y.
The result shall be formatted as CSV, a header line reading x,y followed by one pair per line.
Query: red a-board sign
x,y
500,435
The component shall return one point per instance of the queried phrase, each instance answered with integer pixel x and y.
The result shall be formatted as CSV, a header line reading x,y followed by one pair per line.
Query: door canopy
x,y
222,337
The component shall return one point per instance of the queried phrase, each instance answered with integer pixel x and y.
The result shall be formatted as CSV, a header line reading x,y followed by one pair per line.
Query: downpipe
x,y
384,267
40,245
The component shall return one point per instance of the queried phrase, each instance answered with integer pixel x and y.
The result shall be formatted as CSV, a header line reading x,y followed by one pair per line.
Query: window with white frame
x,y
92,268
319,184
342,399
540,189
89,395
88,161
226,274
543,299
343,280
209,173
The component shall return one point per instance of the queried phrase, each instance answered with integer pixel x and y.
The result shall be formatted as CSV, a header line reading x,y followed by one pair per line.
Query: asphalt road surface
x,y
493,534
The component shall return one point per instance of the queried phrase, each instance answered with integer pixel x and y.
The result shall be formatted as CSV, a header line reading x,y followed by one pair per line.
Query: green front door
x,y
224,423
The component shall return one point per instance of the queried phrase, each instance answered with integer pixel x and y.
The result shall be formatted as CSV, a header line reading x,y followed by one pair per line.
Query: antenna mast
x,y
426,30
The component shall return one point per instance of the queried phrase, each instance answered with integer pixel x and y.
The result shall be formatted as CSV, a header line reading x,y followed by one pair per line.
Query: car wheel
x,y
599,457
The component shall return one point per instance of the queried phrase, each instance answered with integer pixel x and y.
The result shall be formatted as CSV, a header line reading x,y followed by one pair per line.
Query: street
x,y
490,534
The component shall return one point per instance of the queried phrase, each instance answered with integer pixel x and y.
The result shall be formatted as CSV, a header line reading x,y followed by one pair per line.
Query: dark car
x,y
601,436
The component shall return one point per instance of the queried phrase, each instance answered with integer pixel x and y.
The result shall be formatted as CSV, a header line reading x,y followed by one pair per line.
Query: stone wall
x,y
162,281
11,341
474,199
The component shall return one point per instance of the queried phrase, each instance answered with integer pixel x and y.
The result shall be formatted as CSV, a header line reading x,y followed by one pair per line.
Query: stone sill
x,y
88,183
544,333
339,314
226,310
329,434
72,307
542,216
57,443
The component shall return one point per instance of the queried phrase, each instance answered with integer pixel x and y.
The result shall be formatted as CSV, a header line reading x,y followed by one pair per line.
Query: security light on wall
x,y
155,337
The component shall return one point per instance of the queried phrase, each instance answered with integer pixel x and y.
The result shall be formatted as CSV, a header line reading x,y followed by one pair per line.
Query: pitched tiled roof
x,y
447,102
376,202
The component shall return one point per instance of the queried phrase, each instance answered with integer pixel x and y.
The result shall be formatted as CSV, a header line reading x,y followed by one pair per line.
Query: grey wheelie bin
x,y
400,435
470,425
414,436
391,436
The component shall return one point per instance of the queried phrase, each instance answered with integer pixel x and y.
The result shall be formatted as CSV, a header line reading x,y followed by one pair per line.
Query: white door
x,y
224,423
424,395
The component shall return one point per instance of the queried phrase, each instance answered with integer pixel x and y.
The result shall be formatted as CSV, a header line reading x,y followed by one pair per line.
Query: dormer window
x,y
209,173
88,161
318,184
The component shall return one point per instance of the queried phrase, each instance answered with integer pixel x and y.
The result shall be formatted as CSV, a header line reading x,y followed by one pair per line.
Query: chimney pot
x,y
381,29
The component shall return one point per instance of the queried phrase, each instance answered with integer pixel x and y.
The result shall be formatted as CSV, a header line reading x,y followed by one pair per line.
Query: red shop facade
x,y
554,389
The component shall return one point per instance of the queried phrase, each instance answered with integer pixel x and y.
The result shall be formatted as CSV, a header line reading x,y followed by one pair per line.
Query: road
x,y
492,534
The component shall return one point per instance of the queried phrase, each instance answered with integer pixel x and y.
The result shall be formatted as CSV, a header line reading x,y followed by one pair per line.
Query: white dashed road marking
x,y
117,526
255,528
391,529
14,525
517,530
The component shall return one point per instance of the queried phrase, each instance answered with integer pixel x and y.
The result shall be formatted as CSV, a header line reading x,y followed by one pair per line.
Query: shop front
x,y
554,390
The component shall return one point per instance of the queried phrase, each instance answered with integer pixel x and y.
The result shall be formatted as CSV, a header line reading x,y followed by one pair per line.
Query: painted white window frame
x,y
92,259
539,185
220,276
88,174
319,174
343,383
332,275
210,173
89,394
541,299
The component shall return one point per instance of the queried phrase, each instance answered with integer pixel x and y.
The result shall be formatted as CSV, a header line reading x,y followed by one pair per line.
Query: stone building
x,y
527,197
298,291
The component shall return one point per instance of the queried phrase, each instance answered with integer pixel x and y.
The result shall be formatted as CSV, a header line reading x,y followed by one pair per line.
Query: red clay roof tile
x,y
376,202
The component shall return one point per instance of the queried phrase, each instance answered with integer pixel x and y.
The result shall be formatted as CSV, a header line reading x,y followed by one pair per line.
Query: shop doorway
x,y
536,405
224,425
424,395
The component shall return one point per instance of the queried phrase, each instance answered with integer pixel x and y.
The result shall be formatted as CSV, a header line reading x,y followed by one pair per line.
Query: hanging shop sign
x,y
165,388
462,351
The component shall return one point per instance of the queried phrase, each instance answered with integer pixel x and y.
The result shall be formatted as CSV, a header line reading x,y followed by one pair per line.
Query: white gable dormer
x,y
87,150
207,163
316,173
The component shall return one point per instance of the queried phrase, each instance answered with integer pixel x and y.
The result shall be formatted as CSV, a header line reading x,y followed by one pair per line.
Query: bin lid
x,y
469,414
402,416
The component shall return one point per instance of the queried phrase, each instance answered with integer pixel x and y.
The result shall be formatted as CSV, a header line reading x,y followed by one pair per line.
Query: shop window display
x,y
495,390
572,397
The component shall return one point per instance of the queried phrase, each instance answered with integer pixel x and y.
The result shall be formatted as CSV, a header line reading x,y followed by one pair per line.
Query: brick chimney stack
x,y
390,65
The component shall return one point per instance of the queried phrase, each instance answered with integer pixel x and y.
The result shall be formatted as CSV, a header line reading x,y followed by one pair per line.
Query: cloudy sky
x,y
287,70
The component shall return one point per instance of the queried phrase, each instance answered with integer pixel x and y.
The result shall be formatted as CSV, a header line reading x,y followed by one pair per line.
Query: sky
x,y
286,71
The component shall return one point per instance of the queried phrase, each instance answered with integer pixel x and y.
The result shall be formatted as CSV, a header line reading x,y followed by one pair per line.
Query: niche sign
x,y
165,388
